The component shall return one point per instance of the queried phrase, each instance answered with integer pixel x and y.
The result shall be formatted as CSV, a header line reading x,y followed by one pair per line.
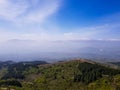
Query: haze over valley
x,y
22,50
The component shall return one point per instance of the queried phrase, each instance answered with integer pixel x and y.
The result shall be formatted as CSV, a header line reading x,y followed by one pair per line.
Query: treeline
x,y
91,72
17,70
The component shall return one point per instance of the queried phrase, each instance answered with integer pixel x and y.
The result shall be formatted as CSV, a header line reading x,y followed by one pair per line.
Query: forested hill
x,y
69,75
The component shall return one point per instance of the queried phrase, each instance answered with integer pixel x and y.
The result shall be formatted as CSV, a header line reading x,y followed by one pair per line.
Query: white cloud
x,y
28,10
47,9
10,10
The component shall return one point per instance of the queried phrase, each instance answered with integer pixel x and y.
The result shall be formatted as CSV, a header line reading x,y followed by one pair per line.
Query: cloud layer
x,y
93,33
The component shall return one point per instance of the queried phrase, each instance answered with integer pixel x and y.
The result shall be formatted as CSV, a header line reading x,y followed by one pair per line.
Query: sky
x,y
59,20
36,26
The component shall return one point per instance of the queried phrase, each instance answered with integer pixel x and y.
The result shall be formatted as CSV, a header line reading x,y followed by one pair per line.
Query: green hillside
x,y
68,75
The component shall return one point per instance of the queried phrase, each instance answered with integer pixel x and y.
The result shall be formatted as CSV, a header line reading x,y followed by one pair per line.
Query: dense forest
x,y
69,75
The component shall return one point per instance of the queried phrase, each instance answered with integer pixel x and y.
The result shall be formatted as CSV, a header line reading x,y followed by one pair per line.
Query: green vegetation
x,y
10,83
69,75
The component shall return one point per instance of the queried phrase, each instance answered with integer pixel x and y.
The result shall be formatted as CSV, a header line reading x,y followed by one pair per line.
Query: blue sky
x,y
59,20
